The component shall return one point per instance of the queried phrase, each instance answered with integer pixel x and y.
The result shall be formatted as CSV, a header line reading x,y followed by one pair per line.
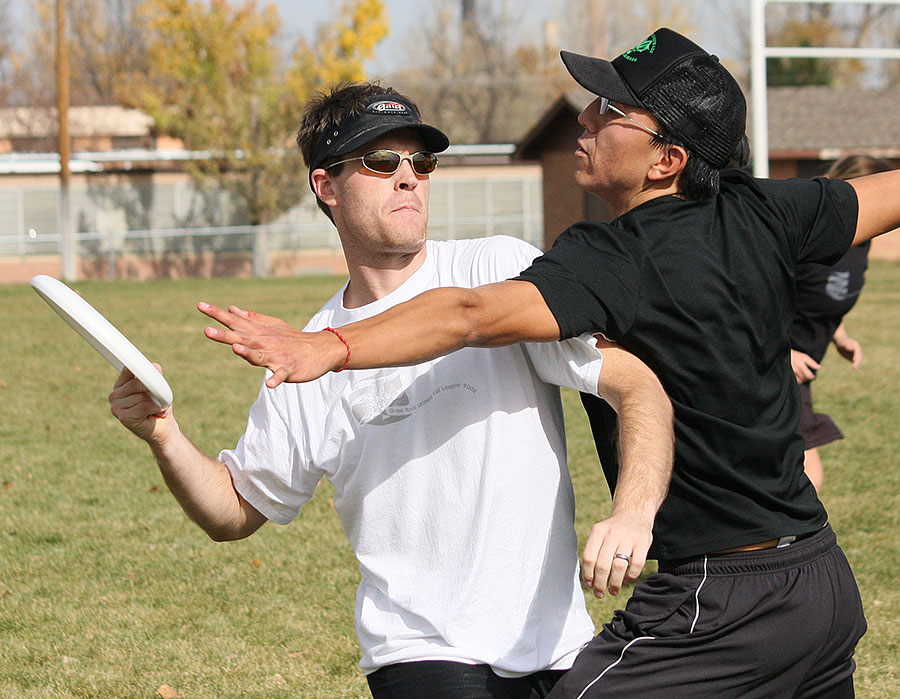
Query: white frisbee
x,y
103,336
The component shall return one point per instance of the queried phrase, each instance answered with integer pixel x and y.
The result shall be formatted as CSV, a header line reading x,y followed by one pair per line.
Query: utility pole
x,y
69,266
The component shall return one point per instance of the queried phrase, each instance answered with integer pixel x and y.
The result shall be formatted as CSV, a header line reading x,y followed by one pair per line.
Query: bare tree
x,y
606,28
106,50
477,73
474,72
6,25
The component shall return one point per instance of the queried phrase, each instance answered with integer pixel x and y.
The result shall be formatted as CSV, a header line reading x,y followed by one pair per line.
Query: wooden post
x,y
69,253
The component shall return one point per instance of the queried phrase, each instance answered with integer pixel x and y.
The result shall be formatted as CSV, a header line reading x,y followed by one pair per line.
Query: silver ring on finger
x,y
625,557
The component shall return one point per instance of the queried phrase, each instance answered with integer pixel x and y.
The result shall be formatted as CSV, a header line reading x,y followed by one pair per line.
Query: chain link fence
x,y
144,228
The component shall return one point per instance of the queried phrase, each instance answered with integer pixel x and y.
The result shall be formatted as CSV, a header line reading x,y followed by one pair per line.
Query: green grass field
x,y
107,590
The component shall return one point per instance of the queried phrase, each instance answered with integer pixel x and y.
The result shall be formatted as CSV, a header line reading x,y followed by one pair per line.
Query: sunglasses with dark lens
x,y
387,162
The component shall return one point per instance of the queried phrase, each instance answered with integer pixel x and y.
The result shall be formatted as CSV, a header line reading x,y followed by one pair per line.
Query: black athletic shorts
x,y
445,679
782,622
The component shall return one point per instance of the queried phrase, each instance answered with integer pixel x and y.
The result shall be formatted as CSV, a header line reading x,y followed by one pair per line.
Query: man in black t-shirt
x,y
695,275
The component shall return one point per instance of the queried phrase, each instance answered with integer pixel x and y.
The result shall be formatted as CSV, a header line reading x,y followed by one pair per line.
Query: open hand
x,y
265,341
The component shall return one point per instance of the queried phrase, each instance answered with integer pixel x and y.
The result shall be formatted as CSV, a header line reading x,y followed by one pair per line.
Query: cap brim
x,y
434,139
598,76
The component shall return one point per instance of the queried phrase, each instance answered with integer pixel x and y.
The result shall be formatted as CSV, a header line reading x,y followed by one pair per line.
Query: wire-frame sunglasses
x,y
387,162
607,106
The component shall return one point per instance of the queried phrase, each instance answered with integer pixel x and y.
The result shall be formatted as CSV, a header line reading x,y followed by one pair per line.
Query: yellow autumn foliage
x,y
220,82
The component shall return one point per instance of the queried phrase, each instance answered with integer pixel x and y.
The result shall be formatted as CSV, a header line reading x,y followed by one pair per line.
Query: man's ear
x,y
322,186
670,163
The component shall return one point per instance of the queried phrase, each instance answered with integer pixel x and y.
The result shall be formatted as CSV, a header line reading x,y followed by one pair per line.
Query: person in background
x,y
450,477
825,294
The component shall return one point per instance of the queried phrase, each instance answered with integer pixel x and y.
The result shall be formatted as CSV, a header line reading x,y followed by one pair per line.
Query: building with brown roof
x,y
98,128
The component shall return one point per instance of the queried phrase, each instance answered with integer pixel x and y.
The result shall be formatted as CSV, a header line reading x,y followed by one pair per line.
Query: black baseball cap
x,y
687,89
382,114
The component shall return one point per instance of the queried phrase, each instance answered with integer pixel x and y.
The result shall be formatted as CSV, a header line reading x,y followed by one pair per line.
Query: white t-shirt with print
x,y
450,482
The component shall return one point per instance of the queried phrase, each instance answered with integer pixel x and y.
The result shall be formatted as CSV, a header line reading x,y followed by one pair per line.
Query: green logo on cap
x,y
648,45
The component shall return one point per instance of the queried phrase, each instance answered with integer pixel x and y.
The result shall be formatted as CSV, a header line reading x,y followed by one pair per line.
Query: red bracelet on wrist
x,y
346,344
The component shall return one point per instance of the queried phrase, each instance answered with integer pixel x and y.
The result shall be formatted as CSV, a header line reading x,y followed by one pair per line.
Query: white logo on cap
x,y
388,107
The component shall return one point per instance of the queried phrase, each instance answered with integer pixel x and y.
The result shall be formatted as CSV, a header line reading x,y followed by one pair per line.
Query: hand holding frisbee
x,y
103,336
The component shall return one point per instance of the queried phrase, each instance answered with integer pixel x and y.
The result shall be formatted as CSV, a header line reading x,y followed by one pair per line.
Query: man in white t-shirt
x,y
450,476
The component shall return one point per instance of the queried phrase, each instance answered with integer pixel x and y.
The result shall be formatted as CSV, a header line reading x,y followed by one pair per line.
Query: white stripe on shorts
x,y
612,665
650,638
697,596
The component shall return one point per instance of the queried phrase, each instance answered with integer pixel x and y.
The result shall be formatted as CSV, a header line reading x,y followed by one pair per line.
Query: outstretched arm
x,y
430,325
202,485
646,454
879,204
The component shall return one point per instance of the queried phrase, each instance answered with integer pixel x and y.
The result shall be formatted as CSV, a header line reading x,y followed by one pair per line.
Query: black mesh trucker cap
x,y
688,91
383,113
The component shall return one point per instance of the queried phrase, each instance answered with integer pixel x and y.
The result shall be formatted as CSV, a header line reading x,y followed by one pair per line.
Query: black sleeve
x,y
820,213
590,280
